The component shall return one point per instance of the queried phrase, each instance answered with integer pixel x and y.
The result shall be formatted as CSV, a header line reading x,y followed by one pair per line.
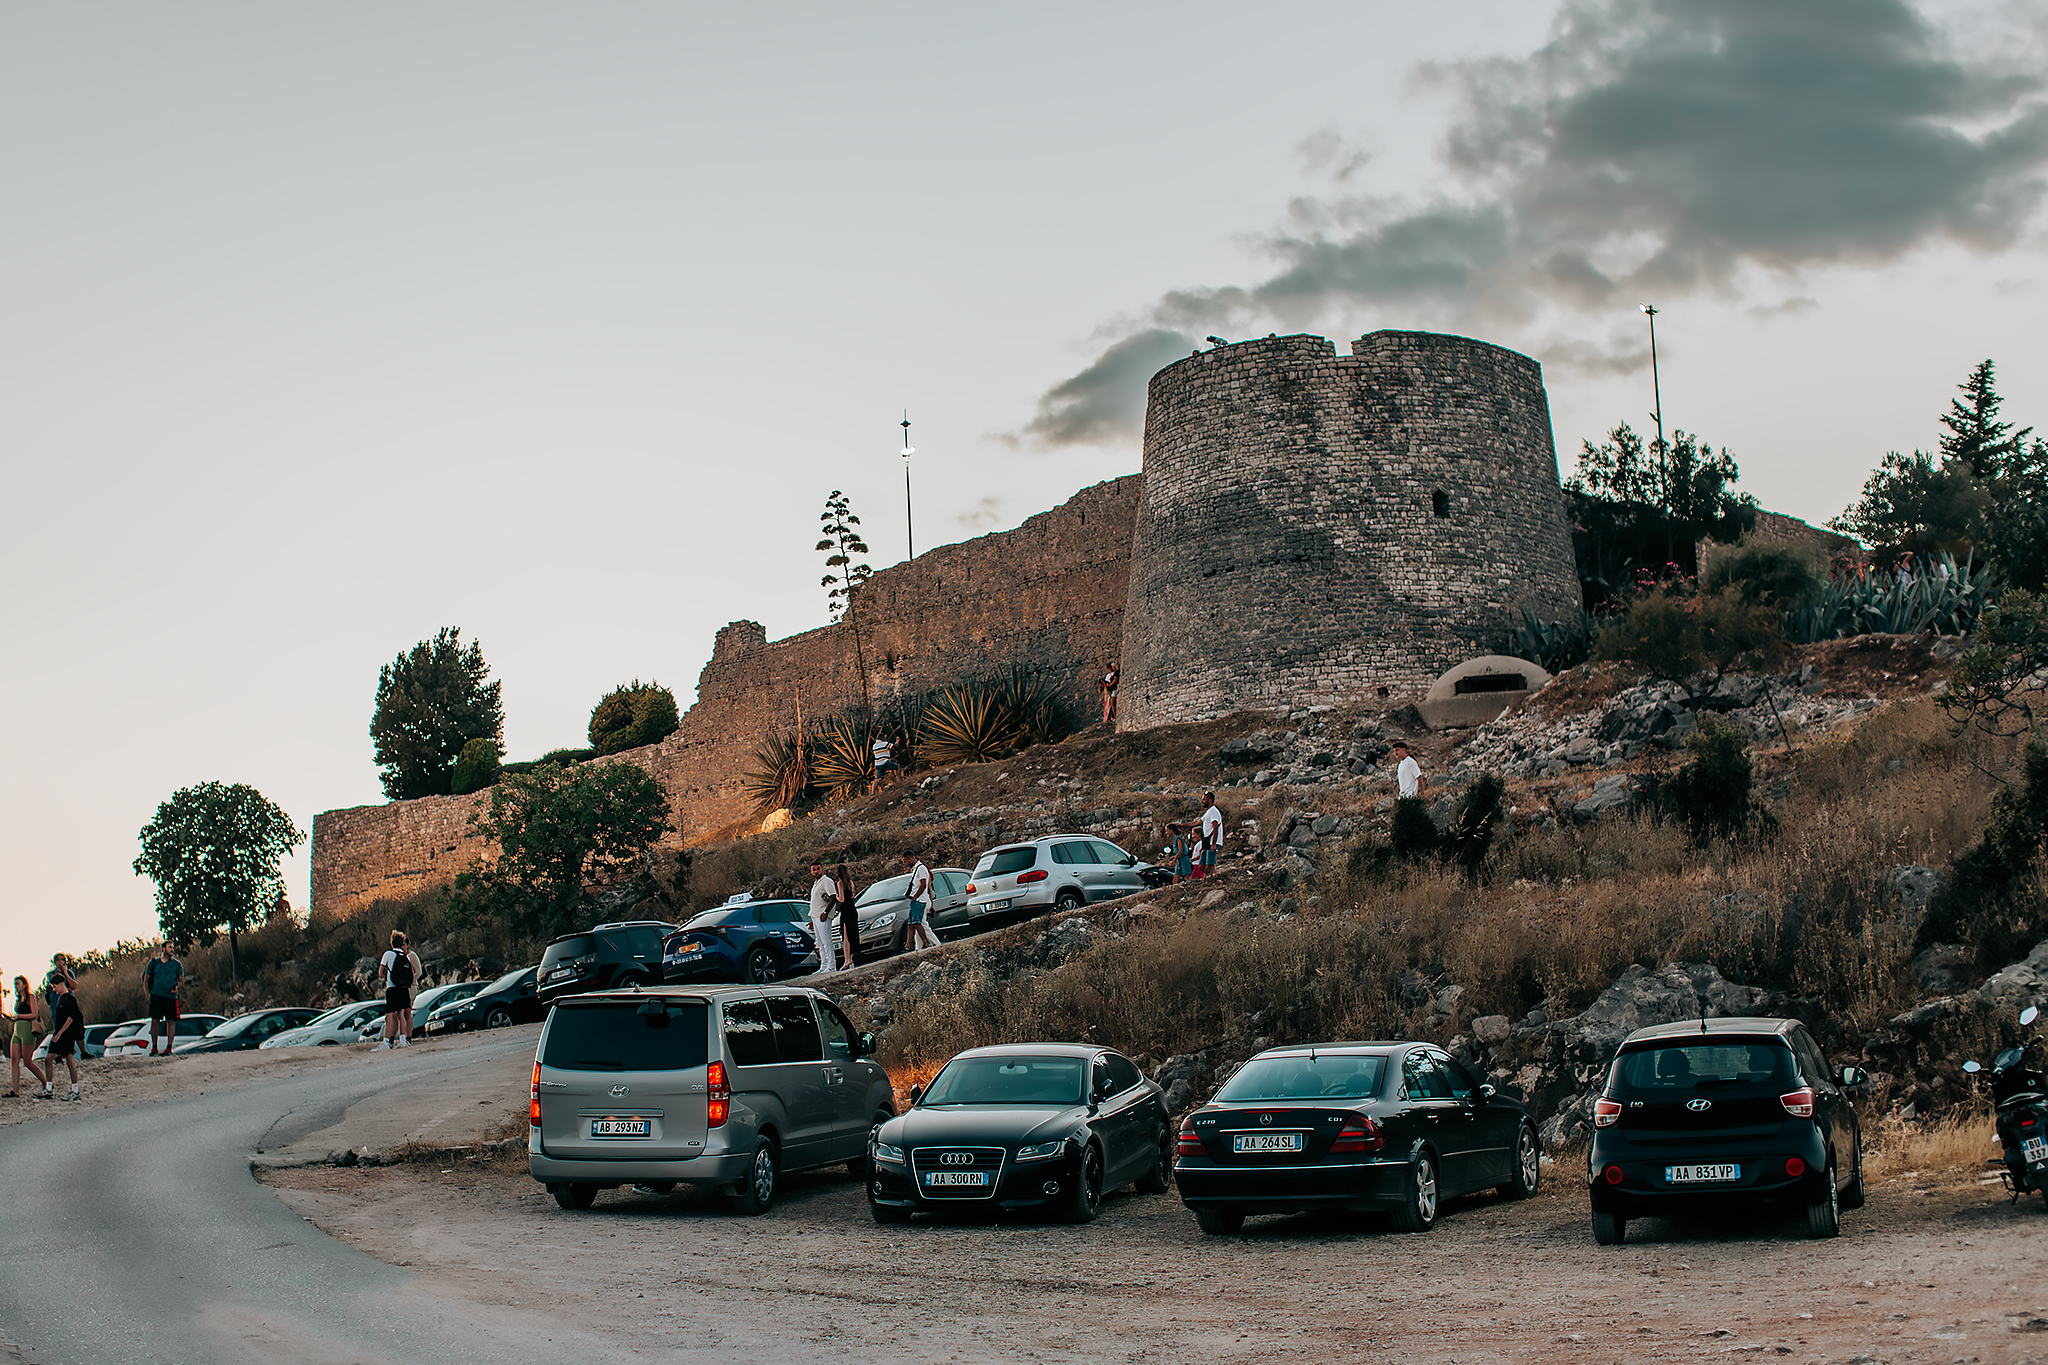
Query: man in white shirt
x,y
823,892
920,896
1212,836
1407,773
884,751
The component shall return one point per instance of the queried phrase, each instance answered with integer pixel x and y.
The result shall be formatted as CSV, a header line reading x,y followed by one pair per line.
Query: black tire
x,y
1218,1222
1528,1172
1823,1216
888,1215
1069,899
1609,1229
1158,1177
499,1017
1852,1194
758,968
625,983
860,1168
575,1197
758,1186
1085,1202
1419,1188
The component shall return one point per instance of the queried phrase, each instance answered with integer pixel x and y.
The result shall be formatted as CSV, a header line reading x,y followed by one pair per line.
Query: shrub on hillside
x,y
1996,896
1773,575
1478,815
631,715
1414,834
1711,795
781,773
477,768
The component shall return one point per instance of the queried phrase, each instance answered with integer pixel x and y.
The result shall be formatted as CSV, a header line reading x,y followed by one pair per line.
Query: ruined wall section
x,y
1317,529
1052,591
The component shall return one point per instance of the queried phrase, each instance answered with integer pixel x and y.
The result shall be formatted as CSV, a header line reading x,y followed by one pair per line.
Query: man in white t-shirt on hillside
x,y
1212,836
824,891
1407,772
920,934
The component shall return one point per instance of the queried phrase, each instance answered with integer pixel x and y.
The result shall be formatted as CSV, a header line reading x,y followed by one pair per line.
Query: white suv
x,y
1063,871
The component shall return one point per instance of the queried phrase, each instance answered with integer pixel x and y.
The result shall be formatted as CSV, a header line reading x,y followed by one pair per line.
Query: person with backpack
x,y
398,969
160,978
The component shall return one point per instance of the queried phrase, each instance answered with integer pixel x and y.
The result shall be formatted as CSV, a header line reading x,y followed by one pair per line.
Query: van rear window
x,y
1011,860
652,1035
567,950
1690,1066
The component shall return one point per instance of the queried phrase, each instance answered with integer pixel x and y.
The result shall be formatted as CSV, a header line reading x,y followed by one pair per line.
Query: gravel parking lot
x,y
1932,1270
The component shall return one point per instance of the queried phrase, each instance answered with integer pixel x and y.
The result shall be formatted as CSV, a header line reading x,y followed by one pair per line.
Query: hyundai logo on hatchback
x,y
618,1090
956,1158
1699,1106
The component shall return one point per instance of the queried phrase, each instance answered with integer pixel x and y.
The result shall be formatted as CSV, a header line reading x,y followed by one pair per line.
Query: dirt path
x,y
1929,1271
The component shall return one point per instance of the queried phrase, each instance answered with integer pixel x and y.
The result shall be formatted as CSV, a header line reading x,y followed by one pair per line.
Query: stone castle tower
x,y
1316,529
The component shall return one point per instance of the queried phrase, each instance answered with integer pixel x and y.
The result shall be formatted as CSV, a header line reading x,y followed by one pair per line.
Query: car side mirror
x,y
1485,1093
916,1093
2028,1016
1972,1067
864,1046
1854,1075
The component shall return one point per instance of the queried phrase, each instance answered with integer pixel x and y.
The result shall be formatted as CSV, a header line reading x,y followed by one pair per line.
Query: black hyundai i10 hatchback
x,y
1709,1112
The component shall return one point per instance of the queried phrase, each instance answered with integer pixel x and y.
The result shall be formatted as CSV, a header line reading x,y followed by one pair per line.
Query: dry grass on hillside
x,y
1961,1143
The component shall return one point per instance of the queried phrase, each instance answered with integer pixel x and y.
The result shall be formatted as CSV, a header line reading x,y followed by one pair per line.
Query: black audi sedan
x,y
1045,1126
1393,1127
1714,1112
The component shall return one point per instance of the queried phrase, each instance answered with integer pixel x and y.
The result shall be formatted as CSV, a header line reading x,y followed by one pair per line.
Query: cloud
x,y
1650,149
983,515
1788,308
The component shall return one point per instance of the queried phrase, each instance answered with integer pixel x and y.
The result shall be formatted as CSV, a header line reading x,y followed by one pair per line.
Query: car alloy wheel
x,y
499,1017
1417,1212
1086,1200
1069,899
1528,1166
1160,1174
1823,1217
757,1190
760,965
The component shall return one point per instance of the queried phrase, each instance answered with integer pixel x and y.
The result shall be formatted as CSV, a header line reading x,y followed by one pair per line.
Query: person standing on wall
x,y
23,1025
67,1027
824,896
161,976
1212,837
849,918
1108,689
884,751
396,972
1408,773
920,934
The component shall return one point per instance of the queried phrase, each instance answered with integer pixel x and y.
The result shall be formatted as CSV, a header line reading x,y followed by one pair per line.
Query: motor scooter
x,y
2021,1100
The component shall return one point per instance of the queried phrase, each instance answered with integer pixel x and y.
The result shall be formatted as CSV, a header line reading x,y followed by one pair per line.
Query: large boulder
x,y
1640,998
2022,984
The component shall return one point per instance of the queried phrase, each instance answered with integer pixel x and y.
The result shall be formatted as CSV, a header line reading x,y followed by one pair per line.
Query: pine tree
x,y
840,543
1975,435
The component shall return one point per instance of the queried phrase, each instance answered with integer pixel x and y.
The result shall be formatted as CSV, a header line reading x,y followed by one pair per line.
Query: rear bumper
x,y
1644,1191
1286,1189
723,1169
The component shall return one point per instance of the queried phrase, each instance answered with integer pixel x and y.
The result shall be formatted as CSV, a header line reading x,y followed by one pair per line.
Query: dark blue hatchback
x,y
751,941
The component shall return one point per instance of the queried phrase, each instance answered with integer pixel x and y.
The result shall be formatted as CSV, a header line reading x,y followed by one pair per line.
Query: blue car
x,y
743,940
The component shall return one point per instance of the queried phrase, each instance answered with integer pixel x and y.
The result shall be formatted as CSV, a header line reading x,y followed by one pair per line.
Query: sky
x,y
324,327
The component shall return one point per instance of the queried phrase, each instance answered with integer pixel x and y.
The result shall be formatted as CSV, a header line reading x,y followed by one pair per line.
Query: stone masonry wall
x,y
1052,591
1317,529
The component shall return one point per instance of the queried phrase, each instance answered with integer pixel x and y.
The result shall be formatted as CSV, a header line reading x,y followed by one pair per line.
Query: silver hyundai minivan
x,y
725,1086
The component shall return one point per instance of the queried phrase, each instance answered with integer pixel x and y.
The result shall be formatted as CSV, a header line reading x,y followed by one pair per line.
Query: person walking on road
x,y
60,970
824,900
398,969
24,1022
849,918
67,1027
920,934
1212,837
160,978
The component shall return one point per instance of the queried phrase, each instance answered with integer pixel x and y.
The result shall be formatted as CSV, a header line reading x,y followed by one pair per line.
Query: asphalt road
x,y
140,1235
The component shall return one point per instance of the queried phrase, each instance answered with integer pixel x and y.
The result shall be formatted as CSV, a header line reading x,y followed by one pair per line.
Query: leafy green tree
x,y
1638,509
1995,684
213,851
478,767
631,715
845,576
554,830
431,701
1911,505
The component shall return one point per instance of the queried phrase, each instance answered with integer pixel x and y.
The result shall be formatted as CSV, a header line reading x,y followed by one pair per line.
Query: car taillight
x,y
720,1102
1037,876
1799,1104
533,1105
1795,1167
970,888
1613,1174
1359,1135
1190,1145
1606,1113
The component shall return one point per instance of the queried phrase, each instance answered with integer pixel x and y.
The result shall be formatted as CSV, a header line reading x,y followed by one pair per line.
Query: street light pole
x,y
1657,396
909,539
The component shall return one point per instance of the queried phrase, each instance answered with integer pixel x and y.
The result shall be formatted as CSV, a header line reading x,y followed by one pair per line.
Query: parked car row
x,y
734,1086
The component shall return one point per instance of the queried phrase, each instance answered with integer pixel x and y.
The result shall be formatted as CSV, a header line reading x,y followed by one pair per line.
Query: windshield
x,y
1010,1080
718,915
1705,1066
508,980
891,889
1007,860
234,1028
1323,1077
338,1013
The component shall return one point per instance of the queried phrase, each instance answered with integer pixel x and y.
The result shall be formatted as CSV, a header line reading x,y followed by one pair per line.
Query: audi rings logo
x,y
956,1158
1699,1106
618,1090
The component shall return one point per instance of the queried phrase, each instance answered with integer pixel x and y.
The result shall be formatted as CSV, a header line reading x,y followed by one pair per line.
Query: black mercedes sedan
x,y
1046,1126
1397,1127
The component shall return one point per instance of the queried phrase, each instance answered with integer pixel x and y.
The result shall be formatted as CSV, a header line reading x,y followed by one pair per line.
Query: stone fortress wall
x,y
1317,529
1052,589
1307,529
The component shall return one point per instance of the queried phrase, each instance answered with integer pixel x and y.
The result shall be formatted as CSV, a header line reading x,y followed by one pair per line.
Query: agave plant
x,y
841,760
1040,710
967,722
1934,594
1556,645
782,772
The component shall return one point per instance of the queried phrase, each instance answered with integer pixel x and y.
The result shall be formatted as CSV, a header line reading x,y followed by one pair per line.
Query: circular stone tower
x,y
1318,530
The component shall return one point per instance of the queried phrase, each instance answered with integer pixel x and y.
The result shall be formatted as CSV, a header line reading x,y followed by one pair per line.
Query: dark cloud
x,y
1765,312
1651,148
986,513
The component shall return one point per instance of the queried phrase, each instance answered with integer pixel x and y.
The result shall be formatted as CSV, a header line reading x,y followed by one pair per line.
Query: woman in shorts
x,y
22,1022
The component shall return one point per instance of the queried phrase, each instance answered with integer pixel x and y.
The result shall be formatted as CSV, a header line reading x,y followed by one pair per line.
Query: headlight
x,y
1041,1151
892,1155
883,921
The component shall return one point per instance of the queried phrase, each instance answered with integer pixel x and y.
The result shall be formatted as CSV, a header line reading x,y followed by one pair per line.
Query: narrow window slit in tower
x,y
1440,503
